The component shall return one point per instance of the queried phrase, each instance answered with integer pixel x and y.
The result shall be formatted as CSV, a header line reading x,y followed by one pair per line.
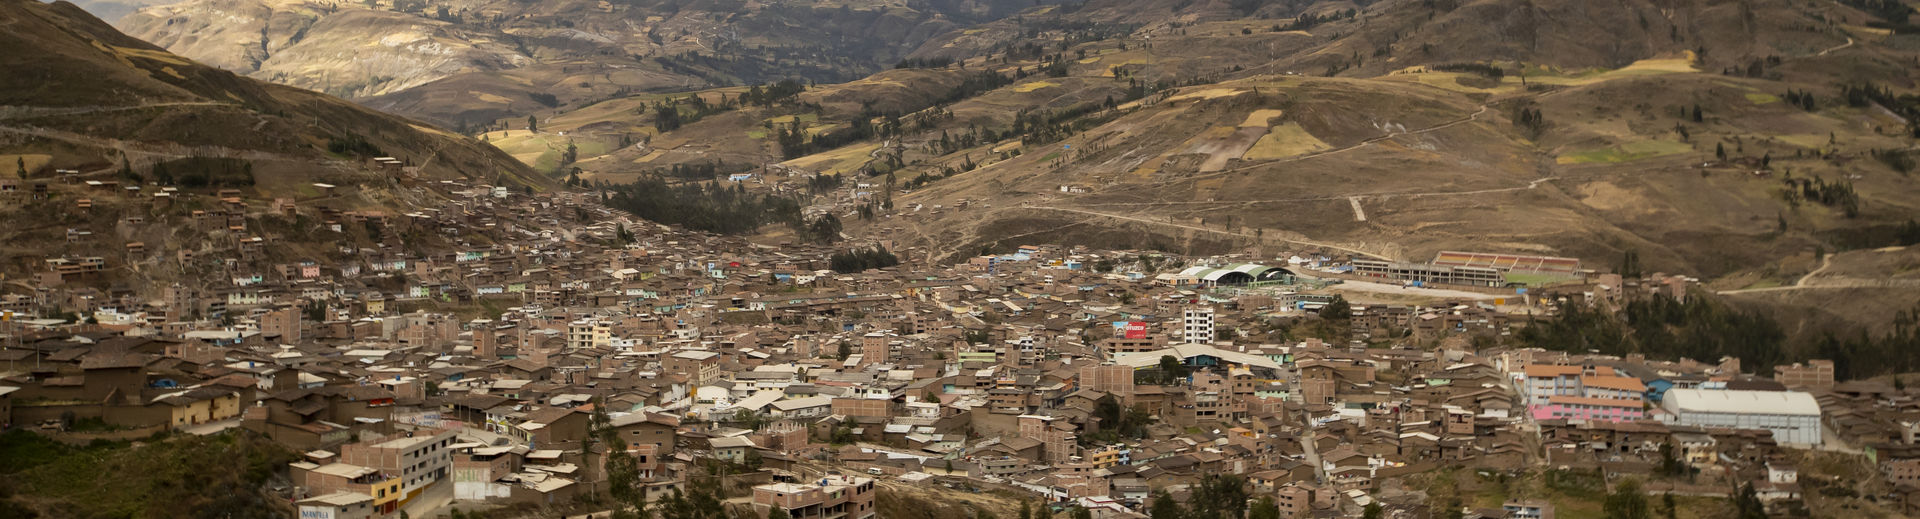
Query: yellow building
x,y
200,405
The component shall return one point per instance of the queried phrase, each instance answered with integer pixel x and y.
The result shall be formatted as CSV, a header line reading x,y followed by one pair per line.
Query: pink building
x,y
1593,393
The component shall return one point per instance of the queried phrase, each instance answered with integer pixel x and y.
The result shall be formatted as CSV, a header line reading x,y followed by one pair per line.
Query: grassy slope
x,y
116,87
175,476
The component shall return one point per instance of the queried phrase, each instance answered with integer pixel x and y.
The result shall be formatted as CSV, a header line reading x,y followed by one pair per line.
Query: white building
x,y
1197,325
338,505
1793,416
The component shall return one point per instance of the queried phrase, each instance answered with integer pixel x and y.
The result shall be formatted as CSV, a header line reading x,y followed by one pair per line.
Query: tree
x,y
1626,502
1218,497
533,125
22,161
700,501
1337,310
1080,512
1372,511
1669,465
1630,264
846,349
1164,507
1172,369
778,513
753,460
1747,505
623,470
1026,510
1264,509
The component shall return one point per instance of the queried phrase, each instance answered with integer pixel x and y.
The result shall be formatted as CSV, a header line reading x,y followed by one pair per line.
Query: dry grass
x,y
838,161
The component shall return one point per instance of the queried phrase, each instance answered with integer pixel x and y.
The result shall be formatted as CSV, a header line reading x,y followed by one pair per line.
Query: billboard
x,y
1130,329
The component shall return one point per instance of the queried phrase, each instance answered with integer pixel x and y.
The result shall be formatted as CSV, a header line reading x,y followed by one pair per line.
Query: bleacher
x,y
1508,262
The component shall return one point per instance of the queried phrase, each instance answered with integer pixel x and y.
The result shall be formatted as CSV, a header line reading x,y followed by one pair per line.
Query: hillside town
x,y
415,384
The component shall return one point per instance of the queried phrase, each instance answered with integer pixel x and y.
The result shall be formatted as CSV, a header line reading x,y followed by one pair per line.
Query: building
x,y
418,461
588,334
1529,509
486,343
350,490
831,497
1592,393
1792,416
1056,437
875,348
1425,273
1196,325
1815,374
1112,379
338,505
284,322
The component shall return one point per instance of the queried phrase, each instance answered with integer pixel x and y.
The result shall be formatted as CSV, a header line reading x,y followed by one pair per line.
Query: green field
x,y
1628,152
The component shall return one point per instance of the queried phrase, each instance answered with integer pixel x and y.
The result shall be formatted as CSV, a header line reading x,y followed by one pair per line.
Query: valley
x,y
865,259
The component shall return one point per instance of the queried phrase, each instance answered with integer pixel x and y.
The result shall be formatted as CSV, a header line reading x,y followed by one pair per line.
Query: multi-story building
x,y
831,497
1594,393
876,348
588,333
701,367
348,486
1055,435
486,343
1112,379
1196,325
283,322
418,461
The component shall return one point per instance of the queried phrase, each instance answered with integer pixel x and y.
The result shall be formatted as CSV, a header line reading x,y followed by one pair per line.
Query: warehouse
x,y
1793,416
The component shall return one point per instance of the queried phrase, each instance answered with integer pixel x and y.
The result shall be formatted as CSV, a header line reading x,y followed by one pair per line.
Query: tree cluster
x,y
847,262
1309,20
1836,194
940,62
1530,120
1218,496
1802,99
353,145
1663,327
703,207
1484,69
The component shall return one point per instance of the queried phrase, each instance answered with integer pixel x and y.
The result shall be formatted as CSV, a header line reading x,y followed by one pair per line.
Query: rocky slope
x,y
471,61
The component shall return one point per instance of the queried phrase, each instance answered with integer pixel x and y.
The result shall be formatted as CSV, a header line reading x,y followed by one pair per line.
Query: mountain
x,y
83,95
468,62
1729,139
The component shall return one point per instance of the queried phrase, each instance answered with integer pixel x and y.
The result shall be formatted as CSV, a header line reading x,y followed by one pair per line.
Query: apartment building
x,y
1588,392
831,497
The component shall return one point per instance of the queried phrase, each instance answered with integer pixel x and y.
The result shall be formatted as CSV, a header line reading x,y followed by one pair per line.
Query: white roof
x,y
1742,402
803,403
338,499
760,400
